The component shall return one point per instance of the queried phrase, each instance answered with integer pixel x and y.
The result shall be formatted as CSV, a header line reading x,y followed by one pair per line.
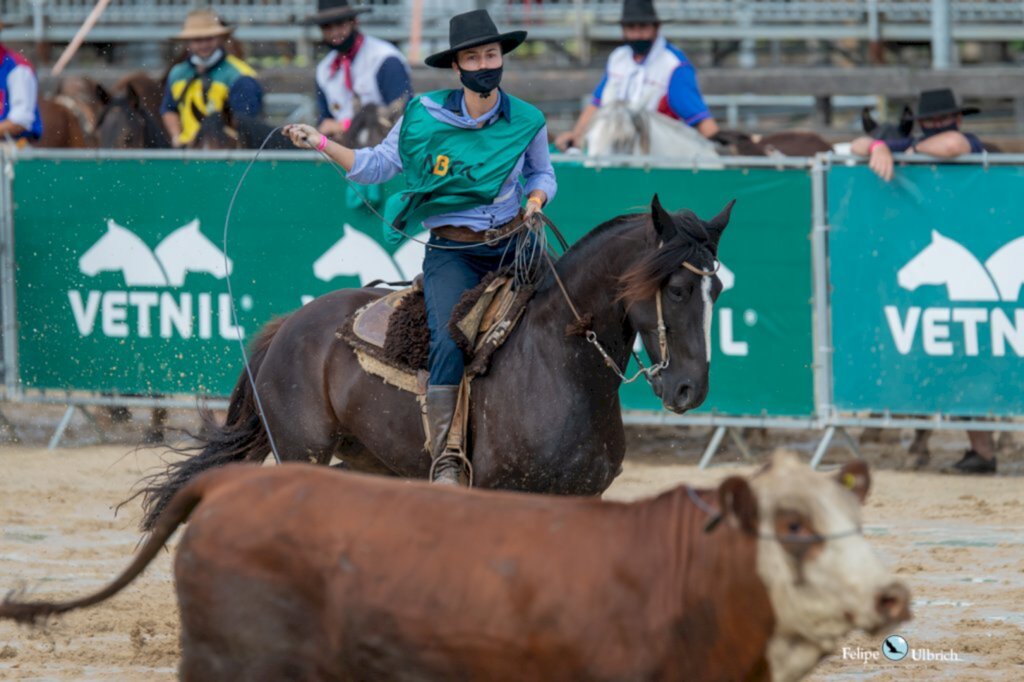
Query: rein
x,y
591,336
717,516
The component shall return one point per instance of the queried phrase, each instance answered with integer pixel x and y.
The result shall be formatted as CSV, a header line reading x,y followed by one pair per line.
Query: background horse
x,y
618,129
567,438
888,132
130,118
216,131
785,143
61,128
81,95
371,125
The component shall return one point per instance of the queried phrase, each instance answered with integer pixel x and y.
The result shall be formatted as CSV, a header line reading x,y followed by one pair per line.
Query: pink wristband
x,y
876,143
323,143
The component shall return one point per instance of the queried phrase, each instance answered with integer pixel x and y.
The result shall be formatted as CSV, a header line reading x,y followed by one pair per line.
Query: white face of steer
x,y
822,577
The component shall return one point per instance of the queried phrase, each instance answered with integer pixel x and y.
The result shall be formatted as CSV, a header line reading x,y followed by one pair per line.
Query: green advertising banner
x,y
926,280
121,283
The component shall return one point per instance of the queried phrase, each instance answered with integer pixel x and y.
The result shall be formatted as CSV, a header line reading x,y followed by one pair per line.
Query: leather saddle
x,y
391,338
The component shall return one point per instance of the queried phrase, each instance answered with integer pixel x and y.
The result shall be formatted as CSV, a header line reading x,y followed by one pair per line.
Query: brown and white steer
x,y
297,572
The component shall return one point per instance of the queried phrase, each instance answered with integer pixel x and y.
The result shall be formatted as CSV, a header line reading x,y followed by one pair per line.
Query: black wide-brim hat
x,y
472,29
639,12
333,11
941,102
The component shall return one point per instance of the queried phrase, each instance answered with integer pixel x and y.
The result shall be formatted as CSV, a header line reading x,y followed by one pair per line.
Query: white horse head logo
x,y
121,250
946,262
184,250
1006,266
188,250
358,255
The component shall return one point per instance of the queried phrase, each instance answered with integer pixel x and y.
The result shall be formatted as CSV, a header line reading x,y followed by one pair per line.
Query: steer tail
x,y
242,437
174,515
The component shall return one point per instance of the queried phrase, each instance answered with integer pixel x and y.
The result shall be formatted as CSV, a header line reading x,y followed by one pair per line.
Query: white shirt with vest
x,y
340,99
663,81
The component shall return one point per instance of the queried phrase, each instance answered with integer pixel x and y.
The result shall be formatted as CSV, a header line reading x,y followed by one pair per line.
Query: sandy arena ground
x,y
957,541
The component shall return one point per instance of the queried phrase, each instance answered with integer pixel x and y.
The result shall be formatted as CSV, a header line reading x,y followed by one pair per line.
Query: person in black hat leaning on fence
x,y
648,74
359,69
940,118
463,153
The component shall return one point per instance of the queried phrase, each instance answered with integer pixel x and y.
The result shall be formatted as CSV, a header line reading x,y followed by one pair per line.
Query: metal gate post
x,y
8,317
823,386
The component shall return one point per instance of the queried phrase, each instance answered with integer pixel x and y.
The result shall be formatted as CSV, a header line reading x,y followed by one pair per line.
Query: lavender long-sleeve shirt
x,y
383,162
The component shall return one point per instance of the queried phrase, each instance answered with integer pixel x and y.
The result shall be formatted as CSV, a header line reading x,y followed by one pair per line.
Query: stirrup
x,y
465,466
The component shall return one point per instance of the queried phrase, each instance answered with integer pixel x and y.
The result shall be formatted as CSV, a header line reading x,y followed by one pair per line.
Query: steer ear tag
x,y
855,476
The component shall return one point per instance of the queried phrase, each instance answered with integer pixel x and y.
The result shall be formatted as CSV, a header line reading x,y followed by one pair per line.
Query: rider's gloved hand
x,y
302,135
532,213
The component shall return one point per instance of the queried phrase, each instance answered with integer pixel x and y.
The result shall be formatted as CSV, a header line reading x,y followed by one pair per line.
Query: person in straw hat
x,y
209,81
647,74
940,118
358,70
19,94
469,156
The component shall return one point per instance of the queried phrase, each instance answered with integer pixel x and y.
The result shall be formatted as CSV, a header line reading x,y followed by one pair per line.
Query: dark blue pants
x,y
447,275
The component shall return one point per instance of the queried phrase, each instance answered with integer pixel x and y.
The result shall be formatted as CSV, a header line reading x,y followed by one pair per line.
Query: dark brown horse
x,y
371,125
130,118
81,95
61,128
888,132
546,418
786,143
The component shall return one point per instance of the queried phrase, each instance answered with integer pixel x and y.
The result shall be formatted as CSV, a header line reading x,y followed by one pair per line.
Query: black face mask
x,y
640,47
481,81
928,132
345,45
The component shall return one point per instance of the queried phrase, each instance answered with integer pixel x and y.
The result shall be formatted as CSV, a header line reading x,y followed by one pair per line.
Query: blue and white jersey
x,y
664,81
19,92
378,74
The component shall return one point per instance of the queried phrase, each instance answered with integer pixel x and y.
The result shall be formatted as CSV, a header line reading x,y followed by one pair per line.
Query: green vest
x,y
450,169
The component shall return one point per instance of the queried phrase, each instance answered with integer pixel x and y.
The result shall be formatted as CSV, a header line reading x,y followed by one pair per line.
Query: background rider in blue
x,y
469,156
19,90
359,69
647,74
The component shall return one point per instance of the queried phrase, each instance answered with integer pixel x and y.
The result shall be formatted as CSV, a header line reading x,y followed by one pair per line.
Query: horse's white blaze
x,y
705,294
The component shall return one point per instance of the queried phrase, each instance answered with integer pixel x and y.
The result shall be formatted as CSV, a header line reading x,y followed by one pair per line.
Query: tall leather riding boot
x,y
441,401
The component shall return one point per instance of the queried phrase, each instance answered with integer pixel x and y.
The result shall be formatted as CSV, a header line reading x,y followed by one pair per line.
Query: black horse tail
x,y
242,437
177,512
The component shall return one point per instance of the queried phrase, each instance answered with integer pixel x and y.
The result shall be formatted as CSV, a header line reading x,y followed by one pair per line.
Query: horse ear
x,y
718,224
906,121
867,121
133,97
663,224
102,95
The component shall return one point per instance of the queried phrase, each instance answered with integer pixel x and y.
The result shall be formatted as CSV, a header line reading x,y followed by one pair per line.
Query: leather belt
x,y
470,236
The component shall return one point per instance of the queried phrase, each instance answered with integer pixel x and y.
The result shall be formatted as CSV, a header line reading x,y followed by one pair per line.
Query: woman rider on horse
x,y
463,153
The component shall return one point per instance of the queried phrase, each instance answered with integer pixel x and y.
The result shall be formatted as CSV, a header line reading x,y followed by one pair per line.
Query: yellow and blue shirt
x,y
230,84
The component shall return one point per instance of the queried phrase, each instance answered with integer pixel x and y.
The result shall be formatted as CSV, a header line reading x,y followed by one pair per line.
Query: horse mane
x,y
691,243
146,89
